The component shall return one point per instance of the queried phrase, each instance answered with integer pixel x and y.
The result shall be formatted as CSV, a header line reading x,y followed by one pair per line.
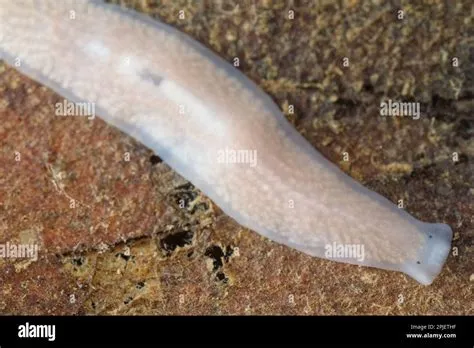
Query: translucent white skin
x,y
187,104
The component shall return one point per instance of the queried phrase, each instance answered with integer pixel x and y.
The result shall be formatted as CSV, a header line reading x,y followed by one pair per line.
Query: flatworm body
x,y
216,128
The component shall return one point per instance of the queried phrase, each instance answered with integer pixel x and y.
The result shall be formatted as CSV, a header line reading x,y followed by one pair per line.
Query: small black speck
x,y
215,252
462,159
78,261
368,87
123,256
220,276
228,253
178,239
431,236
154,159
418,262
140,285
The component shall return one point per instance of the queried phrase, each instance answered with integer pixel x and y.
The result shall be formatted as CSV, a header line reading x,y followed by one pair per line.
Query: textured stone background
x,y
129,248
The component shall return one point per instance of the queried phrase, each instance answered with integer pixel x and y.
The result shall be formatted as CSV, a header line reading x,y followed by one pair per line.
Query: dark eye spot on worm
x,y
155,79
